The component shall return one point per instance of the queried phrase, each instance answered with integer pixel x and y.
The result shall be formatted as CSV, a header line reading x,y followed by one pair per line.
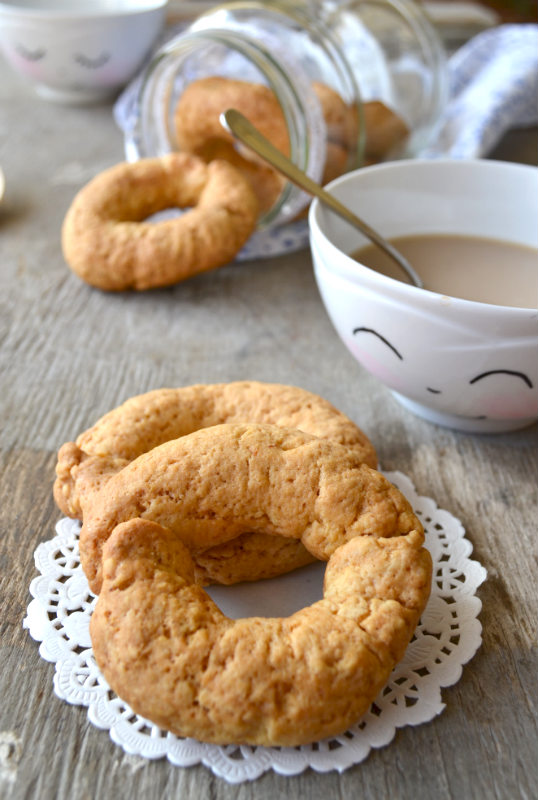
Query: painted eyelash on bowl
x,y
92,63
30,55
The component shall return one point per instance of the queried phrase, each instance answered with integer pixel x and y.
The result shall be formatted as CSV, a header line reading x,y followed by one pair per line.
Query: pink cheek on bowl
x,y
377,368
31,68
509,407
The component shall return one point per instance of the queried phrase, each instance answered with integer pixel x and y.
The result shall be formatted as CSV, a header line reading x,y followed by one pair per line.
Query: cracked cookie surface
x,y
228,480
148,420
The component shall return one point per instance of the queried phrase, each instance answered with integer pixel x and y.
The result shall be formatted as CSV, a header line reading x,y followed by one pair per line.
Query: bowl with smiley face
x,y
462,351
79,51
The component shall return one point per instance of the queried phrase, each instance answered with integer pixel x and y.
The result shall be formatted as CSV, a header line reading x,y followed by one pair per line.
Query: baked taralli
x,y
168,651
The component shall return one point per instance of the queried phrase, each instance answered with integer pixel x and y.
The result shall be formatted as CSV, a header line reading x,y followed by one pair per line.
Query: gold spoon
x,y
240,127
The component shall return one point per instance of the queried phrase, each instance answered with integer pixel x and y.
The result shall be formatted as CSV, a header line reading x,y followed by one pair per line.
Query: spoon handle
x,y
240,127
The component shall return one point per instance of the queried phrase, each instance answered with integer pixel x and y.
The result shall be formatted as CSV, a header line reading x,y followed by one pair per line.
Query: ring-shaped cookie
x,y
108,244
168,651
198,129
197,113
150,419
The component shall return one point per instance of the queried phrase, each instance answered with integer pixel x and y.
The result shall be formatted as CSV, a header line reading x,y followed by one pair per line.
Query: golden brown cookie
x,y
168,651
267,184
107,243
228,480
340,117
148,420
197,113
386,132
199,131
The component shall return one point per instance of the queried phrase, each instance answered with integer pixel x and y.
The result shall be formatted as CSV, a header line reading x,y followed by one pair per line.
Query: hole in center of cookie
x,y
166,214
273,597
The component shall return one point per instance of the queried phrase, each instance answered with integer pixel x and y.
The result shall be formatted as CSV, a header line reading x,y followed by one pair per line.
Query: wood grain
x,y
69,353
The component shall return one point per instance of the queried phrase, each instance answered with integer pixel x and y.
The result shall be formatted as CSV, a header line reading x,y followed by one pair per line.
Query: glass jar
x,y
398,60
319,61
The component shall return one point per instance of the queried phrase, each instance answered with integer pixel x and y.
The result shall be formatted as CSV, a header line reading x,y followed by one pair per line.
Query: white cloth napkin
x,y
493,87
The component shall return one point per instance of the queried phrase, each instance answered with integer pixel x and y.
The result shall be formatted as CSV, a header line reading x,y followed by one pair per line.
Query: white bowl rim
x,y
87,10
375,279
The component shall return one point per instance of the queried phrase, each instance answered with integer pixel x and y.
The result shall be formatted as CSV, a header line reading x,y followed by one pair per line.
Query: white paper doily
x,y
447,636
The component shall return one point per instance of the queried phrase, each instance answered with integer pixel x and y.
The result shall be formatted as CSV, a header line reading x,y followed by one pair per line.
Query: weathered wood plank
x,y
70,353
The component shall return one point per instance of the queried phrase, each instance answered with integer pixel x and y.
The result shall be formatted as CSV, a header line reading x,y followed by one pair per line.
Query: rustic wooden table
x,y
70,353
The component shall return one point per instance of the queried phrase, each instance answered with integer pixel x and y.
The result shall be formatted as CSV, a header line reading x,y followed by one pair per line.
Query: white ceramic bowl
x,y
458,363
79,51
